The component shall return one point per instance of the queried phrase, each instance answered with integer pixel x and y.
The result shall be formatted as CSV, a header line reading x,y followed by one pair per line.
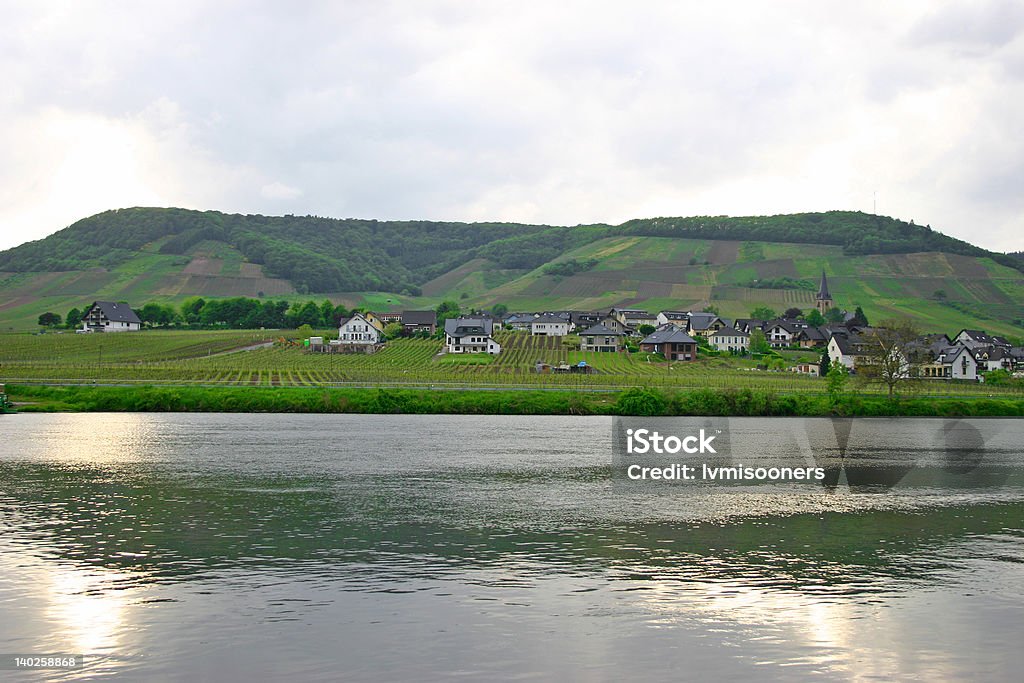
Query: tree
x,y
758,342
837,377
793,312
327,313
859,318
72,319
446,310
646,329
393,330
888,353
499,310
815,318
151,314
49,319
762,313
712,309
305,331
191,309
834,315
308,314
824,364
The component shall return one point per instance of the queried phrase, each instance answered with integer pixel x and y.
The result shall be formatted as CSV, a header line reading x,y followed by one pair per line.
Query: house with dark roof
x,y
780,333
976,338
108,316
419,321
601,338
470,335
953,362
672,343
845,349
730,339
748,325
809,337
705,324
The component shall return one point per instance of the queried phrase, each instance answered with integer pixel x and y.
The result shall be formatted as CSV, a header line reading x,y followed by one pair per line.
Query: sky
x,y
548,112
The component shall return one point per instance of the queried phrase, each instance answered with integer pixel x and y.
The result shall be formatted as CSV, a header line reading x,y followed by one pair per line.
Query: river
x,y
391,547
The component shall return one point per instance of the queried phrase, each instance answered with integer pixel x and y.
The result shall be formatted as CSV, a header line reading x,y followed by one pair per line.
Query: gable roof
x,y
115,312
419,318
600,330
729,332
549,318
702,321
461,327
668,335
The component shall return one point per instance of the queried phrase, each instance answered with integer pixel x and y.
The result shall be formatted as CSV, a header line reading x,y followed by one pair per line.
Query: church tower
x,y
824,299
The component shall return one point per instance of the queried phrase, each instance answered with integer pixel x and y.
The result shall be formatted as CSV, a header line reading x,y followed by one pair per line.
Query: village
x,y
844,340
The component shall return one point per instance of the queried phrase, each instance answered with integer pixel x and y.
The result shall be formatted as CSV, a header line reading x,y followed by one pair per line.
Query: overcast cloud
x,y
566,113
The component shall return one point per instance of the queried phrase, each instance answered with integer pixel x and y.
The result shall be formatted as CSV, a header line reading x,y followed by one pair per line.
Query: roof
x,y
669,335
116,312
846,343
823,287
788,326
675,315
419,318
702,321
729,332
460,327
600,330
749,322
345,321
811,332
638,315
550,318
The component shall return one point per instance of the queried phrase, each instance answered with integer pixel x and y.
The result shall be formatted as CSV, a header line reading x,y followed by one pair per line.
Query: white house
x,y
107,316
549,325
842,349
470,335
779,333
953,362
730,339
359,333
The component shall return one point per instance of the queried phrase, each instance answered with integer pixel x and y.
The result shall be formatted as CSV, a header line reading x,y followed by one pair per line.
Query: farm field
x,y
269,358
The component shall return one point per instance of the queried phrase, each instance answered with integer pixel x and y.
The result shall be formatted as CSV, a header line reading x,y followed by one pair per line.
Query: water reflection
x,y
266,531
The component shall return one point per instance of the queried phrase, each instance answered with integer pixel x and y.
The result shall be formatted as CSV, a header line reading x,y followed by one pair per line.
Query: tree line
x,y
235,313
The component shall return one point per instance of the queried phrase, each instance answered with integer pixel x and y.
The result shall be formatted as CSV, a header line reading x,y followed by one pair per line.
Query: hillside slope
x,y
887,266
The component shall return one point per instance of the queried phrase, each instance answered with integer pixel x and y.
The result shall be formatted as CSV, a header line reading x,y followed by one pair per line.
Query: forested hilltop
x,y
320,254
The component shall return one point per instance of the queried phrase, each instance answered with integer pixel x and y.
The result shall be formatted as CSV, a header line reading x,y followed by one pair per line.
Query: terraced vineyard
x,y
261,359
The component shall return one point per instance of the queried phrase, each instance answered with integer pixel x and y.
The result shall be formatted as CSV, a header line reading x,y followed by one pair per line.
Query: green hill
x,y
886,266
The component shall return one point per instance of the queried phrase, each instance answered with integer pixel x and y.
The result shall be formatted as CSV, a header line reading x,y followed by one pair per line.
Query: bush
x,y
640,401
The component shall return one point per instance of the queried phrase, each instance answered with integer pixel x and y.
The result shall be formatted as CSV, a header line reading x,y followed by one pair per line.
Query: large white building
x,y
107,316
470,335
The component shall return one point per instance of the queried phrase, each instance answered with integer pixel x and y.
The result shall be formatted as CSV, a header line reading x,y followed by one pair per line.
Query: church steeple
x,y
824,300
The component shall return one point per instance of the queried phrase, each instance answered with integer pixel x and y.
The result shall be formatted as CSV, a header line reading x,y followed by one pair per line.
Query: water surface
x,y
322,547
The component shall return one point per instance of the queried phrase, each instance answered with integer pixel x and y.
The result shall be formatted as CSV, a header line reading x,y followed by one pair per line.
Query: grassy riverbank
x,y
638,401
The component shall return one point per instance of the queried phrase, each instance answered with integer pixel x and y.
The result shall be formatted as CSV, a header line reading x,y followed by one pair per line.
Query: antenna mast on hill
x,y
874,202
